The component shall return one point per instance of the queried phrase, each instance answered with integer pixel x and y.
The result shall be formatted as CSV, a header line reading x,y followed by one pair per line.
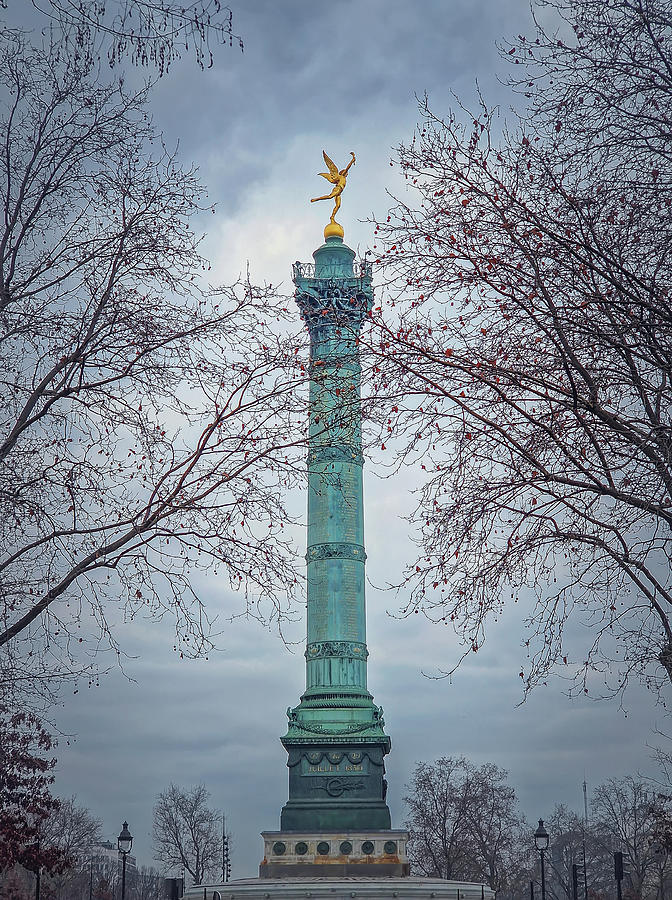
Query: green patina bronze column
x,y
336,822
336,739
336,646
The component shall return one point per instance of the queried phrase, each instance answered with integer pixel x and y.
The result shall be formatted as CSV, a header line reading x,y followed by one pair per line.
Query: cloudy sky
x,y
340,76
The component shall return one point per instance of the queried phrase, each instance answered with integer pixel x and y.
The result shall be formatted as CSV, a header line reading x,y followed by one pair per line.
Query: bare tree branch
x,y
149,426
525,356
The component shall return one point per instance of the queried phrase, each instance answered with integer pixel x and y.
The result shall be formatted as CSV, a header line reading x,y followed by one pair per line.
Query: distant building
x,y
104,861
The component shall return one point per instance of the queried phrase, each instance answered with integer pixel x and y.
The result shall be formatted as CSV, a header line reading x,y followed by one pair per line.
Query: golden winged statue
x,y
338,179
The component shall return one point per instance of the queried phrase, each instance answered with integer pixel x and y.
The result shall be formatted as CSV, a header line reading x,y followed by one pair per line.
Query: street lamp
x,y
541,843
124,844
38,873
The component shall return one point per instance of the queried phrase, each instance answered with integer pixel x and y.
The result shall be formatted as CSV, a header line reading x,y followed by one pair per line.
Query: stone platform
x,y
292,854
354,888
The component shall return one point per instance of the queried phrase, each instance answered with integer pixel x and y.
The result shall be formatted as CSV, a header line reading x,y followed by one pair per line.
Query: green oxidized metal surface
x,y
336,739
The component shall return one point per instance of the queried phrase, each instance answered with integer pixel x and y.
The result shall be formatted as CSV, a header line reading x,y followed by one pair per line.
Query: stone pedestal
x,y
334,854
336,787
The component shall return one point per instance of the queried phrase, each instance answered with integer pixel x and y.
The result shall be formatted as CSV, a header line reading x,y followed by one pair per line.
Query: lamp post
x,y
124,844
541,843
38,878
38,868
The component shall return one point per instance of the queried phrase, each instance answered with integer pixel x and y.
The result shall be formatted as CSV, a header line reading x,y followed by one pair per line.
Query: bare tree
x,y
72,829
437,817
147,32
106,888
498,831
625,809
570,837
525,359
147,425
463,822
149,885
15,886
187,833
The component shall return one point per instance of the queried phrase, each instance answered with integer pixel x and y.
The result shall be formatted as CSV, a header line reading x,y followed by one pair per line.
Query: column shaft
x,y
336,647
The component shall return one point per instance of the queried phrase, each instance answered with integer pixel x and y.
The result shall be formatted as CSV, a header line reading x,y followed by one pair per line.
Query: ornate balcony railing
x,y
361,269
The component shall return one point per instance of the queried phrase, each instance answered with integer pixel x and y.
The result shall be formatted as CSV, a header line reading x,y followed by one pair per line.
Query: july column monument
x,y
336,821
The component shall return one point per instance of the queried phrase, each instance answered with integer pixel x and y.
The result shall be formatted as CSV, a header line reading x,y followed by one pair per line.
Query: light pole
x,y
226,855
541,843
124,844
38,874
38,869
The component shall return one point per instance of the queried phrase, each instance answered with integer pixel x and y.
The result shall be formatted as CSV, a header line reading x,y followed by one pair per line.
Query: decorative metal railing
x,y
360,269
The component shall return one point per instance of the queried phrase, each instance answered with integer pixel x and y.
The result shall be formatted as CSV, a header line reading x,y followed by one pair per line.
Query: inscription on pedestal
x,y
344,768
